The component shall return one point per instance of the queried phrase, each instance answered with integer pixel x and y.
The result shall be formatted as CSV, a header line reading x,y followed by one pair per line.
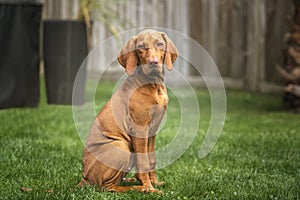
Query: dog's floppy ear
x,y
171,52
127,57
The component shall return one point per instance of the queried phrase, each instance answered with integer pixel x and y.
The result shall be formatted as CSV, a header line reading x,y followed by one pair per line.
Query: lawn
x,y
256,157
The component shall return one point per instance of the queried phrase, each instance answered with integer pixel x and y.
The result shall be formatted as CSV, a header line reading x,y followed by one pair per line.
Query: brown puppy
x,y
123,134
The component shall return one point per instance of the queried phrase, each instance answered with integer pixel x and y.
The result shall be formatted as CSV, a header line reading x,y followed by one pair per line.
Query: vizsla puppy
x,y
123,134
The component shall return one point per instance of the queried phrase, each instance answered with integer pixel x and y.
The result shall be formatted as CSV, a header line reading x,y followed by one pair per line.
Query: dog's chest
x,y
161,97
147,105
148,96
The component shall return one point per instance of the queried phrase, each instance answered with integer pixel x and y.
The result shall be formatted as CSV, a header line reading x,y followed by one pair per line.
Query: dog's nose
x,y
153,61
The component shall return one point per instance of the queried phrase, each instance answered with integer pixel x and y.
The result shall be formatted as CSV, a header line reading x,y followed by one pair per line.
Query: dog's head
x,y
149,51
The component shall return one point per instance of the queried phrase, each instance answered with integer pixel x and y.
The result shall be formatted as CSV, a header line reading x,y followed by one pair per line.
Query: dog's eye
x,y
159,44
141,46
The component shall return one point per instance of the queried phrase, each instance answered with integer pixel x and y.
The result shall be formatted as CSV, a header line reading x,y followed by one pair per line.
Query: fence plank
x,y
196,31
277,26
224,21
238,39
255,44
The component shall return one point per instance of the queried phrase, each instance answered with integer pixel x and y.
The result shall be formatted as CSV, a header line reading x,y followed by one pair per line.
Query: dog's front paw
x,y
156,191
151,190
158,183
154,180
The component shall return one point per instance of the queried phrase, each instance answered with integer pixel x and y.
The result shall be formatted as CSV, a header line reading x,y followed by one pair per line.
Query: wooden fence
x,y
244,37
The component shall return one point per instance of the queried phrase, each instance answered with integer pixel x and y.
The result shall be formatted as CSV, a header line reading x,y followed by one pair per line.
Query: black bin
x,y
20,54
65,48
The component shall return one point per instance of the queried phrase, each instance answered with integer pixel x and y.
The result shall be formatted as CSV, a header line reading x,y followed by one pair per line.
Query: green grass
x,y
256,157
